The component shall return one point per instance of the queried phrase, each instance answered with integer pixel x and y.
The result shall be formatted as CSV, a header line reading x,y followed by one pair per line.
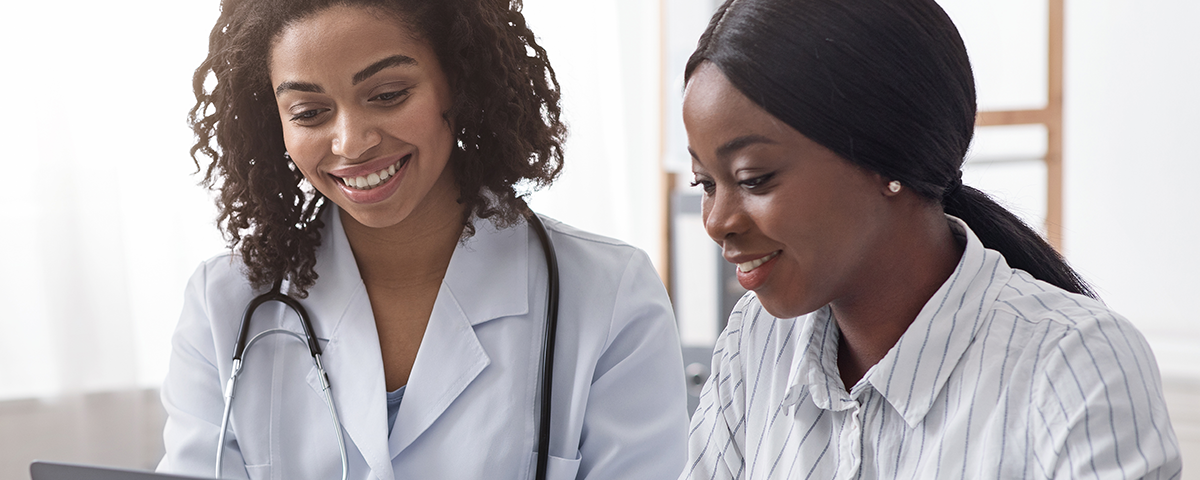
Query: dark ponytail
x,y
885,84
1021,246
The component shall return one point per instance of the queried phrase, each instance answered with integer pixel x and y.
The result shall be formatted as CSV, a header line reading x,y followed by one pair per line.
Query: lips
x,y
374,179
746,267
752,274
380,179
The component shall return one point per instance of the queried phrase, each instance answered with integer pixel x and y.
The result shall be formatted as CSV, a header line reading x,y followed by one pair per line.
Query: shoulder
x,y
1095,391
222,267
221,276
611,288
214,298
587,244
1079,353
598,261
1065,318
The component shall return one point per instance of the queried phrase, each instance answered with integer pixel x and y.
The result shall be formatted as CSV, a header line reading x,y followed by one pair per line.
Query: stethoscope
x,y
310,337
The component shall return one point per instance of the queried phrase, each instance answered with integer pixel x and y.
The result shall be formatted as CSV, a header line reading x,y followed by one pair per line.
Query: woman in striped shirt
x,y
899,324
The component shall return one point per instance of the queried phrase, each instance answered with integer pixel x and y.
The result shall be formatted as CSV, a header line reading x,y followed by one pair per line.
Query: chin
x,y
785,307
370,219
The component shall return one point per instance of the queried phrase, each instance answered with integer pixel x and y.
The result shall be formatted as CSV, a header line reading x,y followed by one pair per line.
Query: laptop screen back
x,y
66,471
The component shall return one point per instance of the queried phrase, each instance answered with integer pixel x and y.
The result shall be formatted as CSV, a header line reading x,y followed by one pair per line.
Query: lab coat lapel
x,y
487,279
489,274
341,313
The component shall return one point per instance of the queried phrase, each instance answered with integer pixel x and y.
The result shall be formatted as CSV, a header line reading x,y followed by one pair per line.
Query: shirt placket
x,y
850,443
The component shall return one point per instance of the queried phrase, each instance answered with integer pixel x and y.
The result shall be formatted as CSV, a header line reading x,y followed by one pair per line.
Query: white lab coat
x,y
470,410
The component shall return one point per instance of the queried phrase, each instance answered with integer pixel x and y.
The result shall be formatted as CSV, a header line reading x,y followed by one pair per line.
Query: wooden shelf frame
x,y
1052,118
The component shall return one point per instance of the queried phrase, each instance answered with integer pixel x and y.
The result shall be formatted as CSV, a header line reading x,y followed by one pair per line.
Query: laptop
x,y
66,471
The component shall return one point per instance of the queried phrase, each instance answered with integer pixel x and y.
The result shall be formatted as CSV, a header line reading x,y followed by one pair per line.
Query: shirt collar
x,y
815,369
915,370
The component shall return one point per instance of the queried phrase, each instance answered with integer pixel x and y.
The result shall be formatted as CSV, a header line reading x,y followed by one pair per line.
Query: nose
x,y
724,216
353,136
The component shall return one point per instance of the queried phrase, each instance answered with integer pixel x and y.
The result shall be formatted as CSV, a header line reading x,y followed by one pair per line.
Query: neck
x,y
417,250
909,269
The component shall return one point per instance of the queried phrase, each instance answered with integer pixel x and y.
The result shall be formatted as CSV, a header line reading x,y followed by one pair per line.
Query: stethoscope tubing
x,y
326,390
548,342
241,345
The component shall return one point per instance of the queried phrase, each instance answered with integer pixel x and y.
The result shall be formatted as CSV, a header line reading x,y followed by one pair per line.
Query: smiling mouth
x,y
753,264
373,180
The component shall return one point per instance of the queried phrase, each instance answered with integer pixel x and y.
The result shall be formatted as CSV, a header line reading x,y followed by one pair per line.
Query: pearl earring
x,y
894,186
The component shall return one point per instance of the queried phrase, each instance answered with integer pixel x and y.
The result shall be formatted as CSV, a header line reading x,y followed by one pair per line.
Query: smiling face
x,y
803,224
362,101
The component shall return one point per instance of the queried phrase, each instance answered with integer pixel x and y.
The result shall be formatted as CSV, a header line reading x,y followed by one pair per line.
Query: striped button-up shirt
x,y
999,376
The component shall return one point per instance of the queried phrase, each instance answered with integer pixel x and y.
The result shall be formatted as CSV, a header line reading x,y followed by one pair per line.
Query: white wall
x,y
1132,192
1133,162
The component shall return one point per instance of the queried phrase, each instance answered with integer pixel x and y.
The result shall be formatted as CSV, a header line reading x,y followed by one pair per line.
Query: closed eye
x,y
391,97
707,185
308,116
756,182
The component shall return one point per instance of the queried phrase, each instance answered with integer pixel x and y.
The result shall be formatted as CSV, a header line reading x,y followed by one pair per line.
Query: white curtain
x,y
607,58
103,221
102,225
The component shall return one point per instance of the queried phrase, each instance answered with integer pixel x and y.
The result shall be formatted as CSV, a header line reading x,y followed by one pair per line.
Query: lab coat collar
x,y
487,279
341,314
489,273
338,280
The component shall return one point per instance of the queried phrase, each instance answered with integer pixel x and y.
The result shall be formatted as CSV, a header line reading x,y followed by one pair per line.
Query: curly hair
x,y
505,112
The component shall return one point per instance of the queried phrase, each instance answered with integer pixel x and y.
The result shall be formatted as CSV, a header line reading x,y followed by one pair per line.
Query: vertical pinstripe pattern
x,y
999,376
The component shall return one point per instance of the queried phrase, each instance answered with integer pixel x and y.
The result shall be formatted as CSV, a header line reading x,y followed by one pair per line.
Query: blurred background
x,y
1090,134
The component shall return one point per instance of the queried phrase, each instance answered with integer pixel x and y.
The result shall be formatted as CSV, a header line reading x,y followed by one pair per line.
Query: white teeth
x,y
372,180
753,264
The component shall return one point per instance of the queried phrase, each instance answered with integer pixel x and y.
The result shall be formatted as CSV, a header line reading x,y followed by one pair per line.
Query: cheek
x,y
423,127
302,149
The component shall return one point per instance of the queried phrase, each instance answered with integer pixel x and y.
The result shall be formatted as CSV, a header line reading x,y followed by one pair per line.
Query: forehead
x,y
714,111
343,37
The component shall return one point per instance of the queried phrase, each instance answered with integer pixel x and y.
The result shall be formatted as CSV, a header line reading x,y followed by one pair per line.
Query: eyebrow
x,y
732,146
742,142
376,67
299,87
358,78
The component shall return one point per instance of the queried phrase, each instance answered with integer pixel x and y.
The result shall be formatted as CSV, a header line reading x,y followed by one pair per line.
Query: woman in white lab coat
x,y
366,153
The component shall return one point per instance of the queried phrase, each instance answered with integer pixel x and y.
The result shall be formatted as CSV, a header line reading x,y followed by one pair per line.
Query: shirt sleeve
x,y
717,439
635,423
1100,412
192,394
